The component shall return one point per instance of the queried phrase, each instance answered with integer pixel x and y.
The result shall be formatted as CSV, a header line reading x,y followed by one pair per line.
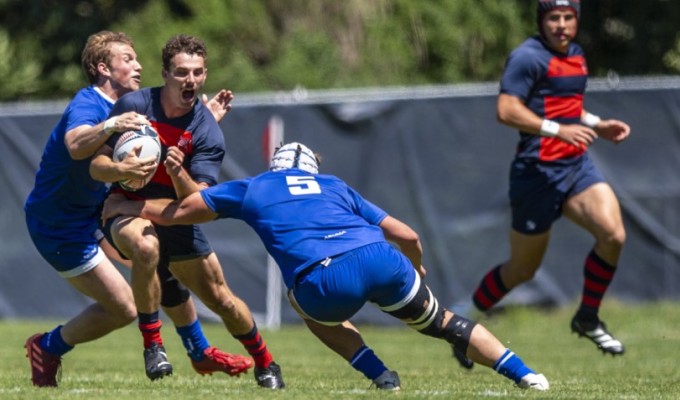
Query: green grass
x,y
112,368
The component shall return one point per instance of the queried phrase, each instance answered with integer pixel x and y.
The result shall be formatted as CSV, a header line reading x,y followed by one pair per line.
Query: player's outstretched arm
x,y
186,211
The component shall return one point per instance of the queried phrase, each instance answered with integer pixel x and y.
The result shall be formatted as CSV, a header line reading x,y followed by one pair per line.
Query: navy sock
x,y
53,343
193,340
366,362
511,366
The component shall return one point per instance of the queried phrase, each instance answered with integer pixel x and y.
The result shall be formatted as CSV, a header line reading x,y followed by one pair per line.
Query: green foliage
x,y
282,44
19,71
111,368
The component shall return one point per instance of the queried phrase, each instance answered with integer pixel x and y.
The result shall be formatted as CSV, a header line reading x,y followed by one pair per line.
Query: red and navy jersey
x,y
196,133
551,84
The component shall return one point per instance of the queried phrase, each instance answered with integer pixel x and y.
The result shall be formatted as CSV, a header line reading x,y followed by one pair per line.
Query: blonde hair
x,y
97,50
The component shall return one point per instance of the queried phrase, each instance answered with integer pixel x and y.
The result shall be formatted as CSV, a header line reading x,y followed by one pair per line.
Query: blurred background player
x,y
541,94
330,245
180,120
62,215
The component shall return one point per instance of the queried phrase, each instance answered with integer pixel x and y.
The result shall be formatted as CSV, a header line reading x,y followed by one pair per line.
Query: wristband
x,y
590,120
110,126
549,128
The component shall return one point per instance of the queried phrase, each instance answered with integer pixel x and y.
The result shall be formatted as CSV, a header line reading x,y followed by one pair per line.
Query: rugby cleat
x,y
156,362
388,380
534,381
44,366
269,377
218,361
598,334
462,359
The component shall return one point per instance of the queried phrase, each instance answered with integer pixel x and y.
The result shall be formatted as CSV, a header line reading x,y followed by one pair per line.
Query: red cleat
x,y
218,361
44,366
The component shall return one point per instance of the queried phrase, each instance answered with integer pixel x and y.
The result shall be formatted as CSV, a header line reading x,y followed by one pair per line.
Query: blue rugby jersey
x,y
196,133
65,195
550,84
301,218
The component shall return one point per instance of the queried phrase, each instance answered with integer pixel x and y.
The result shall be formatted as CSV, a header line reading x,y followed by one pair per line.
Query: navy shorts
x,y
377,272
538,191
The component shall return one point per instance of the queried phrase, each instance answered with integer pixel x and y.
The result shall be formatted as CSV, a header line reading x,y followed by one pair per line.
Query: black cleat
x,y
156,362
597,333
269,377
462,359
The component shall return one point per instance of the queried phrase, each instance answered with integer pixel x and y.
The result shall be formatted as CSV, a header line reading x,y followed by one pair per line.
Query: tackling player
x,y
331,247
62,216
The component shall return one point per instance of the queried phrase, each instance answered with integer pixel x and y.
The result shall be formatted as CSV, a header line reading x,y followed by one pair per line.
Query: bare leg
x,y
597,210
204,277
343,339
526,255
136,238
114,307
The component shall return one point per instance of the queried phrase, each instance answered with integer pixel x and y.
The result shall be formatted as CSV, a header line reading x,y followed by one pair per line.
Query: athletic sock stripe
x,y
605,272
504,358
481,301
594,287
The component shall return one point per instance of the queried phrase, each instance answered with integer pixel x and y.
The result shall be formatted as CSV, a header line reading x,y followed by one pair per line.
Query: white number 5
x,y
298,185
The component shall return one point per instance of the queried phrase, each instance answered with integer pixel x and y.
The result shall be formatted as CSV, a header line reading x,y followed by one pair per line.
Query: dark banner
x,y
434,158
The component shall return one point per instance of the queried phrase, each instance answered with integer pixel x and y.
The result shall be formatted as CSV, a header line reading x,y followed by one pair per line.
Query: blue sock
x,y
511,366
193,340
53,343
366,362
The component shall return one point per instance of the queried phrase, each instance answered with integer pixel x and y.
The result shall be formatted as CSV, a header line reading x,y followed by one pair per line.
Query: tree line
x,y
270,45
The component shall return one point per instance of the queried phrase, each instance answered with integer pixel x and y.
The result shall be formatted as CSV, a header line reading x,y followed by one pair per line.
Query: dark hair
x,y
183,44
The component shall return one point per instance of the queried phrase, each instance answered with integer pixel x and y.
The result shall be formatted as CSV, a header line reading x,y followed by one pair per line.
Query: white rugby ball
x,y
149,146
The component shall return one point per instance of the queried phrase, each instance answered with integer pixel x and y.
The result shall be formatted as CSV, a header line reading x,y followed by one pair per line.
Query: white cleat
x,y
534,381
388,380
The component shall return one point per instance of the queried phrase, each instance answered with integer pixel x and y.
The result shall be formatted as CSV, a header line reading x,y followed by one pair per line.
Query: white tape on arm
x,y
110,126
549,128
590,120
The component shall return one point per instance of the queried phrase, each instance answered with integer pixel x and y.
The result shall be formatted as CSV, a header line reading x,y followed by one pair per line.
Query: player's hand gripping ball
x,y
147,138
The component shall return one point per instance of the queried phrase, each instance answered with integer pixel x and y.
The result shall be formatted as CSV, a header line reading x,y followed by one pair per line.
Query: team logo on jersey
x,y
531,225
185,143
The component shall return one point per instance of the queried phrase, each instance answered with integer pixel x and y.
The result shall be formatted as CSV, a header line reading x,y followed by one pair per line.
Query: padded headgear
x,y
294,155
547,5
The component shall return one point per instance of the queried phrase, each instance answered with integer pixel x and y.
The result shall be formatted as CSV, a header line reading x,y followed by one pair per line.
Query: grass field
x,y
112,367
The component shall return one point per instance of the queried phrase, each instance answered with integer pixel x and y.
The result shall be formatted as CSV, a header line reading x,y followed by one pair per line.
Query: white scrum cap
x,y
294,155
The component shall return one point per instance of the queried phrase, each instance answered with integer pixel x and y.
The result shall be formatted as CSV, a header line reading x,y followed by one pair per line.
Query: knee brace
x,y
429,320
458,332
422,313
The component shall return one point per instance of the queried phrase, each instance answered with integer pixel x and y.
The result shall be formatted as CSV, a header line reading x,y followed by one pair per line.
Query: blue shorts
x,y
71,251
376,272
538,191
177,242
